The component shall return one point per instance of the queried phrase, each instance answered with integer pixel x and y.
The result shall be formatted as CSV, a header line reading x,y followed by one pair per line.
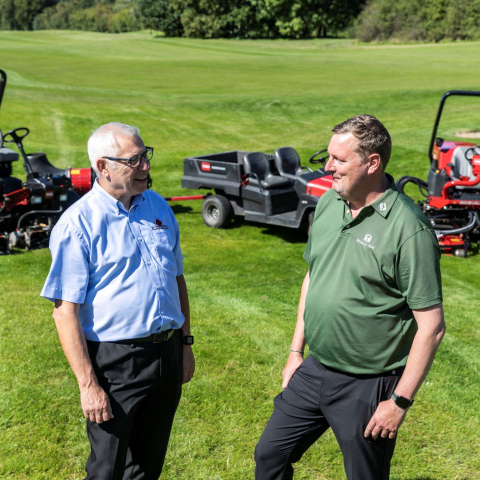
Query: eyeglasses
x,y
136,160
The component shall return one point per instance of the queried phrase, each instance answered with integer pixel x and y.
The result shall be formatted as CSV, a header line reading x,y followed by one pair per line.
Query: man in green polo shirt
x,y
370,311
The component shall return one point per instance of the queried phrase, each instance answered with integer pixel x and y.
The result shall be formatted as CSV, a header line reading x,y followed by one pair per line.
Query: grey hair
x,y
103,142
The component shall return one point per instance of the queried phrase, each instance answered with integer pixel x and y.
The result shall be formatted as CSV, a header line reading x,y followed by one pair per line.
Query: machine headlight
x,y
63,197
36,199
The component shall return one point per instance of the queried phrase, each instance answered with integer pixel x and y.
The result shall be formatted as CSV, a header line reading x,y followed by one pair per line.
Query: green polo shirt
x,y
366,276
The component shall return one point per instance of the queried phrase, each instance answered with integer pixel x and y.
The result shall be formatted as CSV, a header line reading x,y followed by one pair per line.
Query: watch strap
x,y
401,402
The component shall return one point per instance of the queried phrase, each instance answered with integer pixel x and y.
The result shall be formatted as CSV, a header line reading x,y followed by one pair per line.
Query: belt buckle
x,y
159,337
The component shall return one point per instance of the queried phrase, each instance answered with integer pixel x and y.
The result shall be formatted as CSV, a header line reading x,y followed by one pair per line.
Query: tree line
x,y
189,18
419,20
377,20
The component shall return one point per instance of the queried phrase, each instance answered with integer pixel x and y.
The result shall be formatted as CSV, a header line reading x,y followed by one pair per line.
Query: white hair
x,y
103,142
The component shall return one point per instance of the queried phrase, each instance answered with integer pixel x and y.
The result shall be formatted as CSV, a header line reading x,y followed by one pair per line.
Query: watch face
x,y
402,402
188,340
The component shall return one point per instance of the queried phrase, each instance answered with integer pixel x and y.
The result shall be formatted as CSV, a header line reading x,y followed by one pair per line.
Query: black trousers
x,y
318,398
144,383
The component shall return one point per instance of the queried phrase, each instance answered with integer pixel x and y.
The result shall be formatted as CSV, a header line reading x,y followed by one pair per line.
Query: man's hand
x,y
386,420
293,362
188,363
95,404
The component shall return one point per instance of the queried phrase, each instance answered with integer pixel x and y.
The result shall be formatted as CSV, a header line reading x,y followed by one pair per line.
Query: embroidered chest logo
x,y
366,241
383,207
159,225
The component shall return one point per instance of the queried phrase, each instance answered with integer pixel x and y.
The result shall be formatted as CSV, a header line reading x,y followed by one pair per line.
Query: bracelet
x,y
297,351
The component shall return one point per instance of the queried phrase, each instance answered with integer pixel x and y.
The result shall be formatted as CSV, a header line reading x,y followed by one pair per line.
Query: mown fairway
x,y
195,97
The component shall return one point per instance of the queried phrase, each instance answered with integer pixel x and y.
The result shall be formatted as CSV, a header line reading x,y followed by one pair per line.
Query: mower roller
x,y
452,190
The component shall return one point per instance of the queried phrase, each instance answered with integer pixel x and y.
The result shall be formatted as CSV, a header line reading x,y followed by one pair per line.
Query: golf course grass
x,y
192,97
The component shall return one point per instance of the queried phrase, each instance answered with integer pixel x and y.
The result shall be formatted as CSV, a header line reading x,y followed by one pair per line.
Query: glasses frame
x,y
134,161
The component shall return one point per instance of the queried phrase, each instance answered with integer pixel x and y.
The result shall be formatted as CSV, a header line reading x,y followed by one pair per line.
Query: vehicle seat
x,y
40,164
257,163
287,162
7,155
461,167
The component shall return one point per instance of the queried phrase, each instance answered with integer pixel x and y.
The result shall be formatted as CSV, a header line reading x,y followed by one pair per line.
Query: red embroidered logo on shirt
x,y
159,225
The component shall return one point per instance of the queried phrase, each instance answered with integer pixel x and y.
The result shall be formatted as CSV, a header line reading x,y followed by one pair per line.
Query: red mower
x,y
30,209
452,191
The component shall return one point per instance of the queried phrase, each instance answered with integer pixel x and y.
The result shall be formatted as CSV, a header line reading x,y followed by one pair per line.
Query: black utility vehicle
x,y
265,188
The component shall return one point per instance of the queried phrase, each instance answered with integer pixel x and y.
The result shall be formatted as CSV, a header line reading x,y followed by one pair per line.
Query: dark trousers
x,y
144,383
318,398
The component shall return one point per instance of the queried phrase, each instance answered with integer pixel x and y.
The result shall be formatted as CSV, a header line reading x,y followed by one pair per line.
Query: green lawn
x,y
195,97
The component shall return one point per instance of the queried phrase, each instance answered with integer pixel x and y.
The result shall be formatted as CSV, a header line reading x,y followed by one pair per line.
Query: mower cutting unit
x,y
30,209
452,191
264,188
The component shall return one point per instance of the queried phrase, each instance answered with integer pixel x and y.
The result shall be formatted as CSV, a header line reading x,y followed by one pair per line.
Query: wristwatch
x,y
188,339
401,402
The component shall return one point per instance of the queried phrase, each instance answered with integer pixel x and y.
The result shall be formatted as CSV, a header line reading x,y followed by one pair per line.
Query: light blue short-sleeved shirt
x,y
120,266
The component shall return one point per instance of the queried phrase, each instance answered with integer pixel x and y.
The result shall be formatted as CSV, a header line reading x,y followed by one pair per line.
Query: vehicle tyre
x,y
216,211
460,252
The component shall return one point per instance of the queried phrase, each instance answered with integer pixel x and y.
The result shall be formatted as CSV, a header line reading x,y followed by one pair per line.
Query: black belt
x,y
154,338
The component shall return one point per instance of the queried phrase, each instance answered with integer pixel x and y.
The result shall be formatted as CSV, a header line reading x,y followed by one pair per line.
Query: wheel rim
x,y
213,212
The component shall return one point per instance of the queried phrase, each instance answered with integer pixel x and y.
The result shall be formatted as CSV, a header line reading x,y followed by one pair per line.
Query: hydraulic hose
x,y
472,216
34,212
421,184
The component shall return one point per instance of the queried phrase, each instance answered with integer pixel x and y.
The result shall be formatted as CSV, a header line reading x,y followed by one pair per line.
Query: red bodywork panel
x,y
450,243
444,153
319,186
18,197
444,156
81,180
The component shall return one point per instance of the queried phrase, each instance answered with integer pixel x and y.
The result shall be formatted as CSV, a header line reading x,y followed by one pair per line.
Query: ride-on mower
x,y
30,209
452,190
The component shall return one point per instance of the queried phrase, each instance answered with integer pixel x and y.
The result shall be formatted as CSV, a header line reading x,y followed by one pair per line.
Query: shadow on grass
x,y
290,235
473,250
425,478
181,209
22,251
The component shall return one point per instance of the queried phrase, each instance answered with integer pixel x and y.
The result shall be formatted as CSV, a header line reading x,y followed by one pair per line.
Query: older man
x,y
121,308
370,310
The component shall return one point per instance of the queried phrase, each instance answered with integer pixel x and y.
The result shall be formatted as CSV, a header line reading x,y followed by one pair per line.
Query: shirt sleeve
x,y
69,272
418,270
308,248
177,251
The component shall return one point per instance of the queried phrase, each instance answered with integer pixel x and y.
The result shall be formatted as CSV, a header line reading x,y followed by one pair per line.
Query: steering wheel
x,y
17,135
471,152
313,158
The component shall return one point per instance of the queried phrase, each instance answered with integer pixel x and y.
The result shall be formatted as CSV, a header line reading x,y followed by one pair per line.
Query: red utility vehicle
x,y
264,188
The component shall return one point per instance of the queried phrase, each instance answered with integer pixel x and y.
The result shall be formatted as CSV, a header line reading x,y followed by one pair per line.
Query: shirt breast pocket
x,y
163,243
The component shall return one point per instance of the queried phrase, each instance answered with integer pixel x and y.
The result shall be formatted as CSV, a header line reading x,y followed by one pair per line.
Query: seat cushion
x,y
7,155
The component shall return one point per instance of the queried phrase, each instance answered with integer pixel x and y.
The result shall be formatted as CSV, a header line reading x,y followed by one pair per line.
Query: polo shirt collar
x,y
384,204
112,203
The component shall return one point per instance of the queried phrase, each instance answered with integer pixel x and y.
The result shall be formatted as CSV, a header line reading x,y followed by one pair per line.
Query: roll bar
x,y
462,93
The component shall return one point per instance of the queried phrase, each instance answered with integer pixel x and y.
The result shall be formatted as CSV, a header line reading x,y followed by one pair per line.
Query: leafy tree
x,y
430,20
19,14
161,15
